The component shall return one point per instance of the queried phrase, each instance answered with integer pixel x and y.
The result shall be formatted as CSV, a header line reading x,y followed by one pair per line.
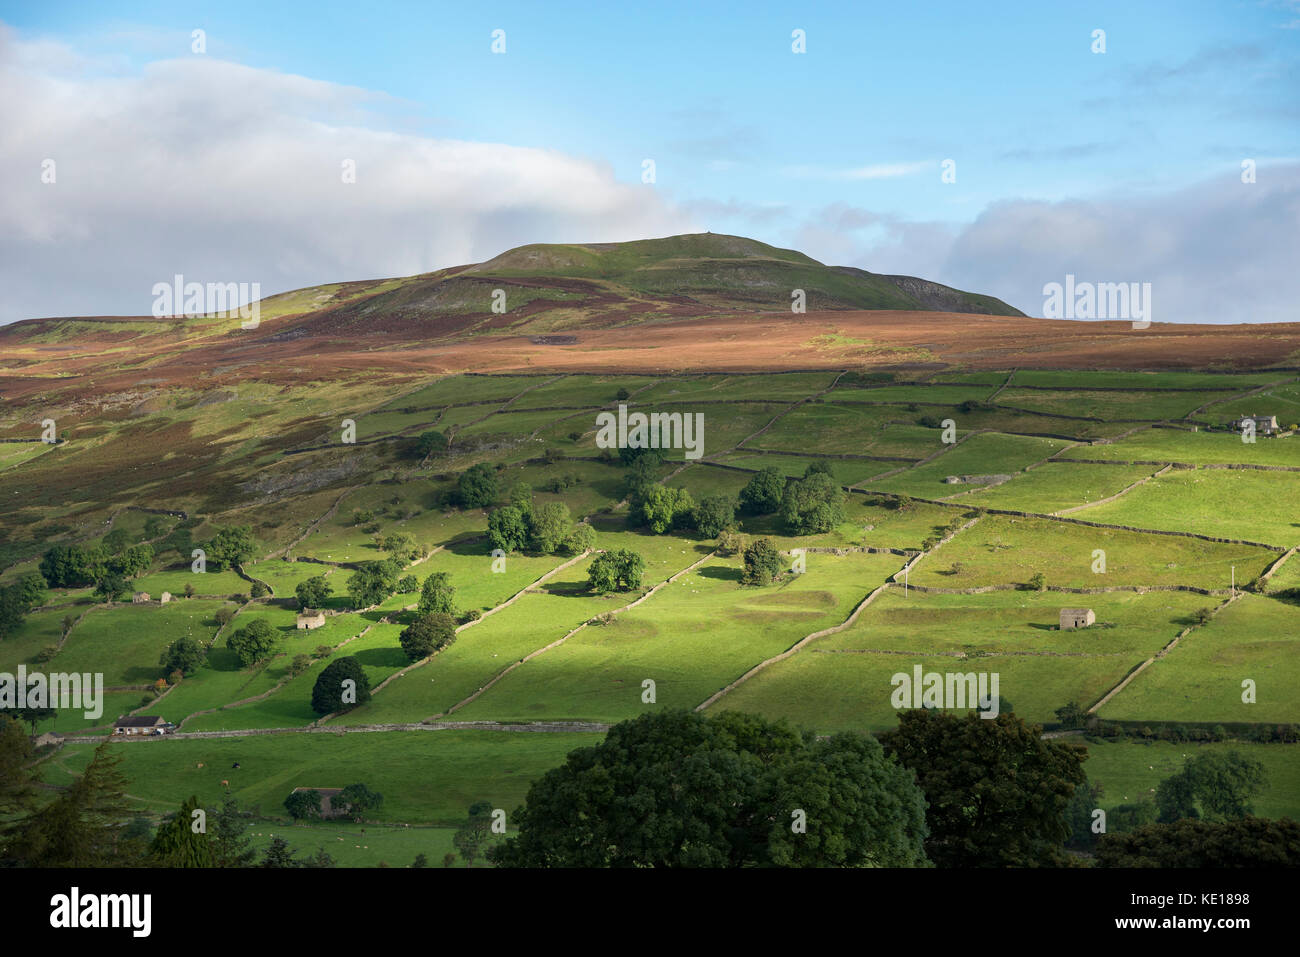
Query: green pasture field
x,y
845,471
1283,400
1193,448
426,777
857,429
694,636
1229,503
1253,639
1053,486
1145,406
583,391
1130,771
987,453
903,394
691,638
1143,381
1005,549
843,682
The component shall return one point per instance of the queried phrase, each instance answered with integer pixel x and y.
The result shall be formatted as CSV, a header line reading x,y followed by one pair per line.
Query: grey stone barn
x,y
1077,618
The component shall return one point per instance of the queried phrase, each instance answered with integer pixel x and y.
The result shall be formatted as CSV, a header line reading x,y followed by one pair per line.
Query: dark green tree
x,y
548,526
230,844
762,562
373,582
185,655
314,592
427,634
303,805
1213,785
255,642
437,595
812,505
179,844
714,514
619,569
332,693
679,789
1195,844
997,791
477,486
762,494
474,833
231,546
507,529
359,799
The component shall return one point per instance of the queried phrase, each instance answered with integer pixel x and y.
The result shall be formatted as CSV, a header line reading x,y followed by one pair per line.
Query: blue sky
x,y
836,151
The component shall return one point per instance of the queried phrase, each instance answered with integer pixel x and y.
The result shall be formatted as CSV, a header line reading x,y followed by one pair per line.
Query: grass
x,y
1254,639
843,682
1219,502
1002,549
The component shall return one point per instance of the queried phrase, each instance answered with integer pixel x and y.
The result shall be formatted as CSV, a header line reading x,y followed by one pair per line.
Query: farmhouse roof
x,y
139,721
1075,611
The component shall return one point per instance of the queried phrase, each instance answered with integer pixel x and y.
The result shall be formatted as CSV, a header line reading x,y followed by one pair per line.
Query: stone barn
x,y
139,598
309,619
1077,618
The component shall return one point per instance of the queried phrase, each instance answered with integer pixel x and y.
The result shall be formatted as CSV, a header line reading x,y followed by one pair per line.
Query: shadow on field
x,y
720,572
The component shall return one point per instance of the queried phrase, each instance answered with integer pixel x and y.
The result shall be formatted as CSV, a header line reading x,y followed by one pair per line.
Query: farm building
x,y
308,619
139,598
165,597
1077,618
138,724
327,809
1264,424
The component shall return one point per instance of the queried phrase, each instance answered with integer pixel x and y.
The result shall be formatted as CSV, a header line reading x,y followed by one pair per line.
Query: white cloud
x,y
227,173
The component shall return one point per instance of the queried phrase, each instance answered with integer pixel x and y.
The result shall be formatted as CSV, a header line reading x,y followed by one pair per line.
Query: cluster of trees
x,y
230,546
807,506
374,581
107,565
942,789
546,529
355,799
724,791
